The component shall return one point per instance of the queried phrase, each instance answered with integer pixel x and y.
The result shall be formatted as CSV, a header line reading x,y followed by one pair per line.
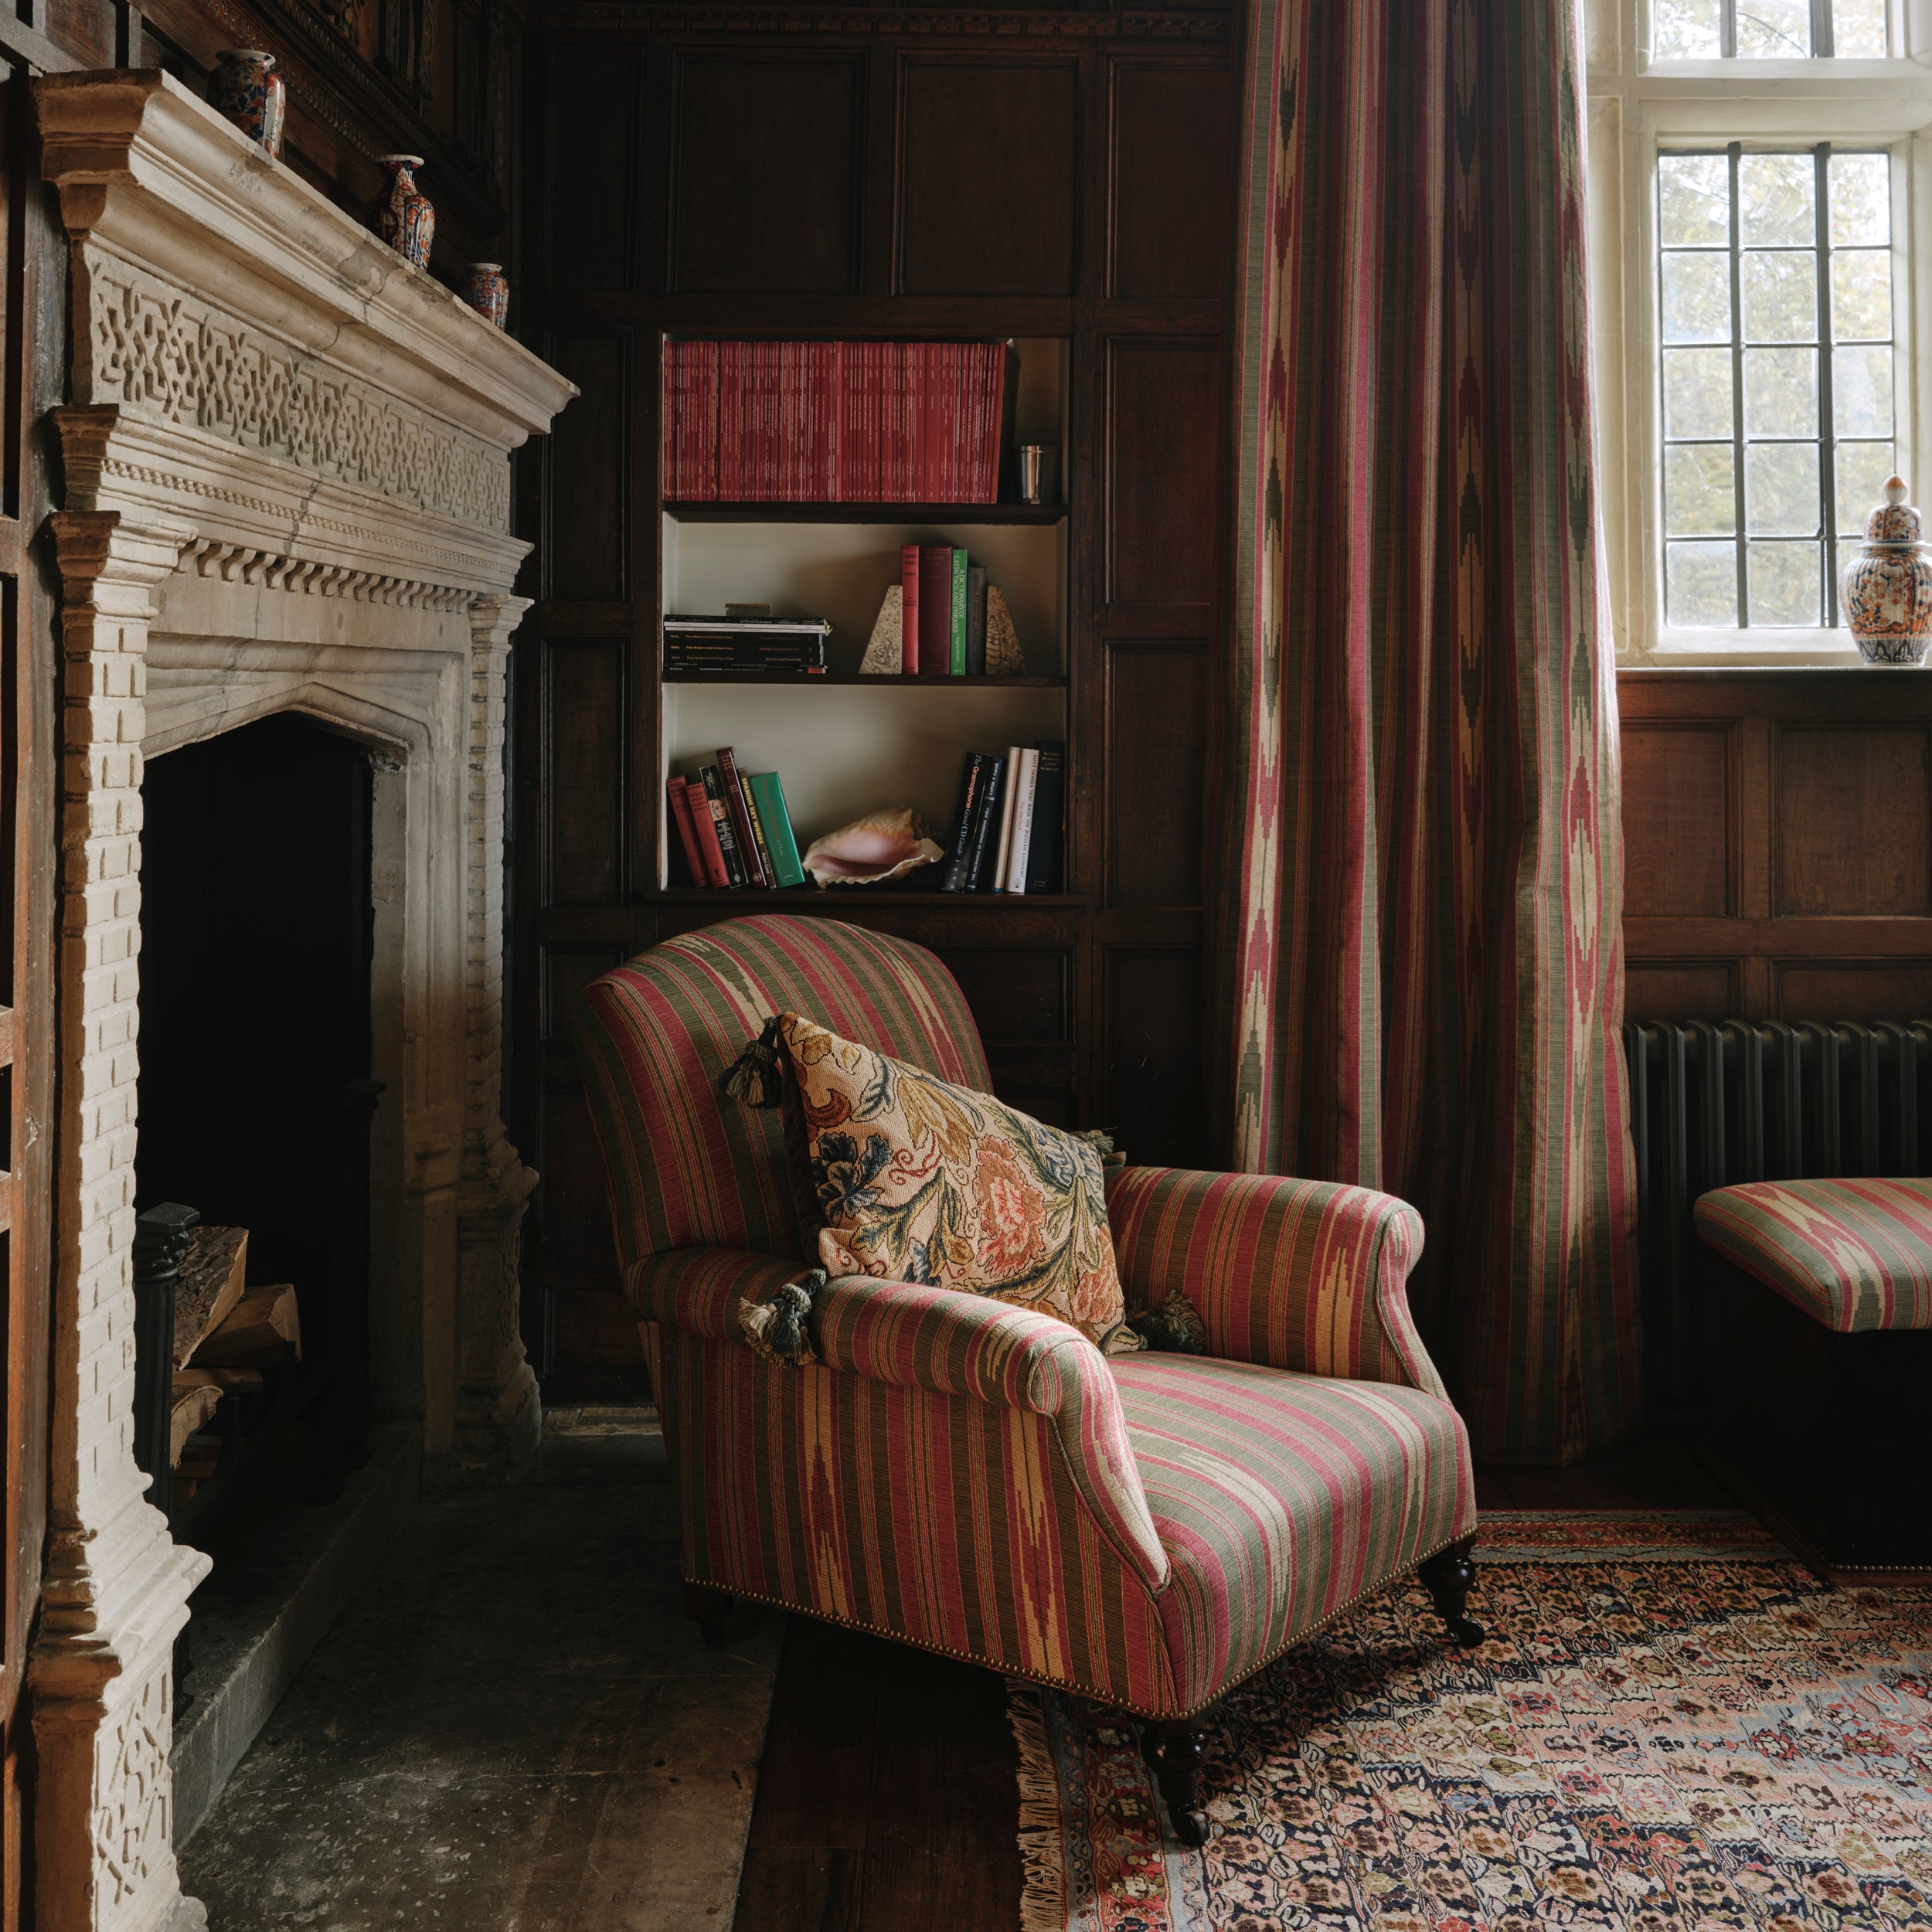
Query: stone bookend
x,y
1003,657
882,658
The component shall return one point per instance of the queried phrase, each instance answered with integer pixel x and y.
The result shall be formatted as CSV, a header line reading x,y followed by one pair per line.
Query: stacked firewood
x,y
229,1338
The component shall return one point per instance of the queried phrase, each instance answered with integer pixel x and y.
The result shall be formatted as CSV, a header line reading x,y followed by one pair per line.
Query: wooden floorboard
x,y
886,1799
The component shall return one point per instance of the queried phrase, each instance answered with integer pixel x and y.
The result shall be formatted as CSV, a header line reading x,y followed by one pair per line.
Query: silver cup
x,y
1033,472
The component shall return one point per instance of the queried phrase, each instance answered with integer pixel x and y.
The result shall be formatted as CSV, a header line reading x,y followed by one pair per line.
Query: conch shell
x,y
879,846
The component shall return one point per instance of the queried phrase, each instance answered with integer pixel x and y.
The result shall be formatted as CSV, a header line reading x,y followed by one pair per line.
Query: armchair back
x,y
690,1168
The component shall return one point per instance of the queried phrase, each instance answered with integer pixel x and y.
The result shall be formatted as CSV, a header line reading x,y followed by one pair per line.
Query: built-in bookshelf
x,y
846,743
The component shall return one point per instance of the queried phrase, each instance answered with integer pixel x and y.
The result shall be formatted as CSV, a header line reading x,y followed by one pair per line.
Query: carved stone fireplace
x,y
286,460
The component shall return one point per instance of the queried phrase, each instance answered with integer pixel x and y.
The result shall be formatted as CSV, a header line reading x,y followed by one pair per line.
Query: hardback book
x,y
1003,845
687,829
957,604
909,617
975,620
759,837
1050,822
714,873
959,857
935,610
986,823
768,793
1022,841
735,802
721,826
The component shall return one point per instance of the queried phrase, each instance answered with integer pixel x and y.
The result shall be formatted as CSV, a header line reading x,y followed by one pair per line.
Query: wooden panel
x,y
1015,995
584,759
1851,989
1163,483
587,473
1170,230
1157,701
1854,816
565,974
597,1336
576,1213
592,202
986,169
1154,1105
767,175
1678,989
1677,820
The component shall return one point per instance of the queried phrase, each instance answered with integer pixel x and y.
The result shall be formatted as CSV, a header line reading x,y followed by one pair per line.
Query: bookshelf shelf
x,y
1044,515
849,679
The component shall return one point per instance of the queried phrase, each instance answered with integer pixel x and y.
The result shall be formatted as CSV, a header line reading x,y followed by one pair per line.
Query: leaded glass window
x,y
1768,30
1774,275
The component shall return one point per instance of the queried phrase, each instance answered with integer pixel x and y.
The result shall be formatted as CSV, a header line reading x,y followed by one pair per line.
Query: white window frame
x,y
1637,106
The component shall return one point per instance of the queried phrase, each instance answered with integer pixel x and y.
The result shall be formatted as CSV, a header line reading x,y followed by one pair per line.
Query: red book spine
x,y
734,788
672,425
935,610
715,873
731,405
909,617
687,829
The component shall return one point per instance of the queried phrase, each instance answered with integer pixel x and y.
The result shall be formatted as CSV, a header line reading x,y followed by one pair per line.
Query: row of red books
x,y
837,422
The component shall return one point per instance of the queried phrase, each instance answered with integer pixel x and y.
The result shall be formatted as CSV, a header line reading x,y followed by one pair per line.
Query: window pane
x,y
1687,30
1858,30
1697,392
1781,392
1861,389
1861,294
1783,580
1774,29
1863,471
1699,499
1780,489
1861,201
1781,297
1697,298
1700,583
1694,201
1774,197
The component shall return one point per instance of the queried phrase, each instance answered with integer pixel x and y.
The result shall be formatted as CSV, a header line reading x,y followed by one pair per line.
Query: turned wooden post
x,y
1173,1747
708,1607
1446,1576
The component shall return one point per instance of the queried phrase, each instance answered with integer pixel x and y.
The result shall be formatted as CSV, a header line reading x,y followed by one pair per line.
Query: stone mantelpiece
x,y
287,464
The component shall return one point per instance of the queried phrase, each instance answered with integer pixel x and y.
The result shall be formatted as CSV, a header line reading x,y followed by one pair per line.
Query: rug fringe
x,y
1043,1903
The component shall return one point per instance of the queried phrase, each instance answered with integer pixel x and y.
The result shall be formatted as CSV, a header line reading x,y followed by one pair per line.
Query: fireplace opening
x,y
256,1104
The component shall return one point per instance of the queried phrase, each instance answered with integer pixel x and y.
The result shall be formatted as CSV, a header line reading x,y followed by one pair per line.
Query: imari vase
x,y
403,216
246,87
487,290
1885,592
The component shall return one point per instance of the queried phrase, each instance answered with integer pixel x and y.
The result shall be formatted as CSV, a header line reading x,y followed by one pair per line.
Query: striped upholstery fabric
x,y
1854,1255
977,1478
1294,1274
1280,1498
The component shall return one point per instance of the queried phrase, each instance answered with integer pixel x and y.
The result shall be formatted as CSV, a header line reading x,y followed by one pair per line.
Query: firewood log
x,y
213,1272
264,1327
196,1401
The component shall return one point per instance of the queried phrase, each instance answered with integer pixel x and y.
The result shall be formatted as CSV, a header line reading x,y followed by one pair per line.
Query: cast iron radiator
x,y
1716,1102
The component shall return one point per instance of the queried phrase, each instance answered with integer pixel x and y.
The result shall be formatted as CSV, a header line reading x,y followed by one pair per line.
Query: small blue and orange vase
x,y
1886,593
403,217
246,87
487,290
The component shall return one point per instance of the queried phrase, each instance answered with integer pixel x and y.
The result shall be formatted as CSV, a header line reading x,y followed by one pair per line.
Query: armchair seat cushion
x,y
1281,1498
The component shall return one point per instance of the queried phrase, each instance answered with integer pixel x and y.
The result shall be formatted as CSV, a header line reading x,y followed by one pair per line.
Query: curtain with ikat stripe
x,y
1419,971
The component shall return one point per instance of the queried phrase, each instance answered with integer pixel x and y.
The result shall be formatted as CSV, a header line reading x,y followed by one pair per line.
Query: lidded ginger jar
x,y
1886,591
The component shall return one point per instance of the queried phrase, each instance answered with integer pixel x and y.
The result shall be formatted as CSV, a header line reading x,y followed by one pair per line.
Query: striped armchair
x,y
978,1479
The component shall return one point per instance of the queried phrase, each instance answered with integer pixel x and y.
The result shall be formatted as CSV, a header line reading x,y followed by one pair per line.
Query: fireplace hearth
x,y
288,492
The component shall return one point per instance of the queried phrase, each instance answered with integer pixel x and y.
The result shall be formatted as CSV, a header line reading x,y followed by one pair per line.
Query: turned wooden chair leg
x,y
708,1607
1173,1747
1446,1576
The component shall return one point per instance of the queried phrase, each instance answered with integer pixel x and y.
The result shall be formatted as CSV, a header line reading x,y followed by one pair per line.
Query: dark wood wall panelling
x,y
1778,835
1047,173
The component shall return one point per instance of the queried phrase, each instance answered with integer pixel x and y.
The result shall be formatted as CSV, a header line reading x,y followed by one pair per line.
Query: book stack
x,y
745,647
734,827
1009,826
943,619
837,422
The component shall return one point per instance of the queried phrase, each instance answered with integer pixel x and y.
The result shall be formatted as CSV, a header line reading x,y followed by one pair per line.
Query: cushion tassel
x,y
1174,1327
776,1326
757,1077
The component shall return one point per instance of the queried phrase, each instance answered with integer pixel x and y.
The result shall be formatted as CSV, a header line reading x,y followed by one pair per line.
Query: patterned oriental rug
x,y
1673,1727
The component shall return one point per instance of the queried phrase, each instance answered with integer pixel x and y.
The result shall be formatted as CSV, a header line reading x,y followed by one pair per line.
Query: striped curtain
x,y
1420,867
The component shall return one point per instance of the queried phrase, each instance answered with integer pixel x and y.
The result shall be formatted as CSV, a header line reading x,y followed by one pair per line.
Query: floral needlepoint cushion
x,y
918,1180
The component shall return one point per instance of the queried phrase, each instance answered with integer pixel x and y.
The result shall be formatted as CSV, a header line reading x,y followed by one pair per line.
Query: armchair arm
x,y
967,1347
1295,1274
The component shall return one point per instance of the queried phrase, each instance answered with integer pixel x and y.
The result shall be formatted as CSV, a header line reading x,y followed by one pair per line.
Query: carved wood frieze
x,y
606,17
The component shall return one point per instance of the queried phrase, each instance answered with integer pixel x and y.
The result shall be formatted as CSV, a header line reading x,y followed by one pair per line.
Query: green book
x,y
769,795
959,614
